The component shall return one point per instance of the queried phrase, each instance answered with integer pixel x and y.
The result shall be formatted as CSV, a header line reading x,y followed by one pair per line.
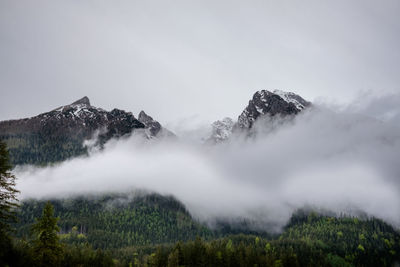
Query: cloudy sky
x,y
203,60
199,59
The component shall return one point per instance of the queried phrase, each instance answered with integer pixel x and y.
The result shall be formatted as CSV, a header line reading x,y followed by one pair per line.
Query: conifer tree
x,y
8,201
47,247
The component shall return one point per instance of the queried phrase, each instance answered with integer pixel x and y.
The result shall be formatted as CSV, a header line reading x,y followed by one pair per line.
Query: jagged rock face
x,y
270,103
263,103
221,130
78,118
153,126
63,130
83,101
120,123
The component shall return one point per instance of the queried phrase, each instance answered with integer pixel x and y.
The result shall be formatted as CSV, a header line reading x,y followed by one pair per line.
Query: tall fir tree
x,y
8,202
47,248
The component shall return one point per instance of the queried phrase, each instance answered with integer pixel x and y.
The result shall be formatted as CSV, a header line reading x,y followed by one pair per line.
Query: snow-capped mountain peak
x,y
263,103
271,103
78,110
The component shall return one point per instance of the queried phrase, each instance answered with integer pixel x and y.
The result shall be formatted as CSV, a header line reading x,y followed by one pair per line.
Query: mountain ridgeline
x,y
60,134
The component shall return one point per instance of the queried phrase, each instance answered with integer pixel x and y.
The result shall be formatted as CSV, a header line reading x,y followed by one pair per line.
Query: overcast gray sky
x,y
177,59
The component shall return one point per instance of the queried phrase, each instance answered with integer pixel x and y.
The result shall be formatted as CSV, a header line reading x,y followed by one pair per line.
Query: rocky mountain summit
x,y
63,130
152,127
270,103
263,103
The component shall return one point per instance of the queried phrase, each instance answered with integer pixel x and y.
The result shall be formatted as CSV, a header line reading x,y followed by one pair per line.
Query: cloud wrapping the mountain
x,y
337,161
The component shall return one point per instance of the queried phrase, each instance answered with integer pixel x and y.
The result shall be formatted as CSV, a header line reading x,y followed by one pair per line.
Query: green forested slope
x,y
309,240
132,228
368,241
115,221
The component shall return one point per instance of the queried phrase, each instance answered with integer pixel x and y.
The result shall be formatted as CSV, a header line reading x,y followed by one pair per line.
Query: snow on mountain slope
x,y
221,130
290,97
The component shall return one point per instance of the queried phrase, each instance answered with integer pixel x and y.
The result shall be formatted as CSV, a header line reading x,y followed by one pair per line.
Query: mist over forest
x,y
328,159
199,133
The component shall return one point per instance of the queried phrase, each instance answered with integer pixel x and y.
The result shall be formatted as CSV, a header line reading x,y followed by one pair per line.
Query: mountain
x,y
264,103
59,134
271,103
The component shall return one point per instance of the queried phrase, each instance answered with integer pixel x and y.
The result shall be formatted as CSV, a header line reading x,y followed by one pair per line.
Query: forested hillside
x,y
120,220
144,228
308,240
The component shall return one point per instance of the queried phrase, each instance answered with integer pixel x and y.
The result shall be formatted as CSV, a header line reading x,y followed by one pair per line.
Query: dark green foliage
x,y
115,221
43,148
131,229
312,241
47,248
241,250
307,241
85,256
362,242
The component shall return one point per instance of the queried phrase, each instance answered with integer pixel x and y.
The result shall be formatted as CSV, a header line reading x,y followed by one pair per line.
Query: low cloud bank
x,y
338,161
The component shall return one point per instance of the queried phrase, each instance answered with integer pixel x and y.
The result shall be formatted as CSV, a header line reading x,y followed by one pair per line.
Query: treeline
x,y
242,250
